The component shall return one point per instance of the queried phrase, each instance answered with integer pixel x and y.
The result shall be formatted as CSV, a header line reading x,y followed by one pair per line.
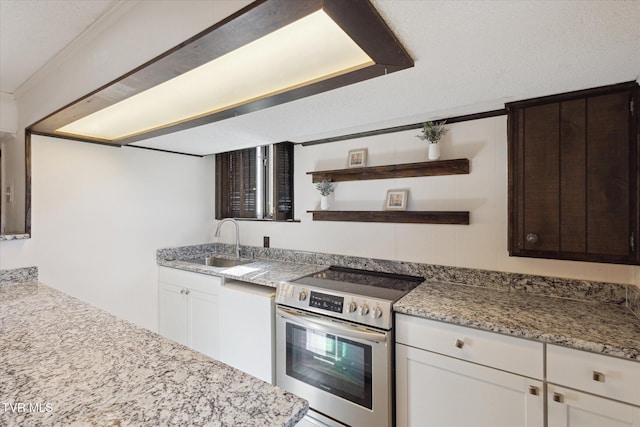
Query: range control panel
x,y
354,308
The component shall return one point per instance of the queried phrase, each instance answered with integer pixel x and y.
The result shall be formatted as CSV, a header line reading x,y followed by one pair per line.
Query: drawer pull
x,y
459,343
557,397
534,390
598,376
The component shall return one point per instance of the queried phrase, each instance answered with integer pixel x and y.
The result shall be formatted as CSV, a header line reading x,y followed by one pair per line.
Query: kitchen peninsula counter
x,y
67,362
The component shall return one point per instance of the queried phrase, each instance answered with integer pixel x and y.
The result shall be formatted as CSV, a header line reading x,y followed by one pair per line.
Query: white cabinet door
x,y
440,391
173,313
188,311
203,323
571,408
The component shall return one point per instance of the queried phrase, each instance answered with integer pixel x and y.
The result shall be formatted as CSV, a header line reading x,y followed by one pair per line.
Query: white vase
x,y
434,151
324,203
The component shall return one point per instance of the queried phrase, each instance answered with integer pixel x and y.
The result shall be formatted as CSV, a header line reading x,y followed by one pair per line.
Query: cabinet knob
x,y
534,390
598,376
557,397
182,291
532,238
459,343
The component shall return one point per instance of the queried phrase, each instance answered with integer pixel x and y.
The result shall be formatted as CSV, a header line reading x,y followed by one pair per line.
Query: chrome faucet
x,y
217,234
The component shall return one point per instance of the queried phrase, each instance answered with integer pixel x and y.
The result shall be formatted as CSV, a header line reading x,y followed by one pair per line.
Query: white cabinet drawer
x,y
606,376
510,354
187,279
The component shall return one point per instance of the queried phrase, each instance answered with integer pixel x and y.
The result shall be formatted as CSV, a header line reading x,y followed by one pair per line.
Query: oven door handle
x,y
333,327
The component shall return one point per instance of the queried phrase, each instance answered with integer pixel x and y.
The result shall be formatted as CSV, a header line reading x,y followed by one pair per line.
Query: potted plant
x,y
325,187
432,132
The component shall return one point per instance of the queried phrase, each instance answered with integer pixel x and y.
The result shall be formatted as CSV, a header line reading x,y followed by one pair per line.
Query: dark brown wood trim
x,y
27,188
450,120
359,19
412,217
165,151
563,97
68,138
406,170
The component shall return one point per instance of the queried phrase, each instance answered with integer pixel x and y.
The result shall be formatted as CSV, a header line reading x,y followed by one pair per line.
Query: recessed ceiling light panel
x,y
271,52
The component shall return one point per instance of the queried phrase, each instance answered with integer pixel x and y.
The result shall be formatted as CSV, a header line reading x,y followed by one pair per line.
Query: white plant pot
x,y
324,203
434,151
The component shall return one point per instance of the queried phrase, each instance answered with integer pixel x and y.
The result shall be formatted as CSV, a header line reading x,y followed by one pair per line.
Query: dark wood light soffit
x,y
358,18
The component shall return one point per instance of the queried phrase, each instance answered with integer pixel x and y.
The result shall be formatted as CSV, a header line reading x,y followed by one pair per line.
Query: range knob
x,y
352,307
364,310
377,312
302,295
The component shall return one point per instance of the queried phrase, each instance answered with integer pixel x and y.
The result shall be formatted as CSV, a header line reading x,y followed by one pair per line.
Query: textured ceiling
x,y
471,56
33,31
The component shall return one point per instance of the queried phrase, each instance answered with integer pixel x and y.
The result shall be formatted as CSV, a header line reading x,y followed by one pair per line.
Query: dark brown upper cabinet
x,y
573,176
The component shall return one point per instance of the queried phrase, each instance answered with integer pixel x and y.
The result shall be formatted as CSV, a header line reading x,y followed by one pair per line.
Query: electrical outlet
x,y
265,241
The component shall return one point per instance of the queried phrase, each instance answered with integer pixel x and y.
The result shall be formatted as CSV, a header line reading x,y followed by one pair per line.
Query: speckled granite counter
x,y
65,362
265,272
585,325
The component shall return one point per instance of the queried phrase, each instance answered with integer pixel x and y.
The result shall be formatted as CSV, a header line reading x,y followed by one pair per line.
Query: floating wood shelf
x,y
406,170
413,217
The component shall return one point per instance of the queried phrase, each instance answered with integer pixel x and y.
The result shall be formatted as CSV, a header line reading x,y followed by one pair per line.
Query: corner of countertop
x,y
18,275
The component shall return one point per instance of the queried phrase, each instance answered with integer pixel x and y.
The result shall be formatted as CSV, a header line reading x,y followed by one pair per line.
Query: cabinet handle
x,y
182,291
598,376
187,291
459,343
557,397
534,390
532,238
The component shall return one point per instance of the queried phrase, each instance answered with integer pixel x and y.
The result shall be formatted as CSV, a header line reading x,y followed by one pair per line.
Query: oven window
x,y
337,365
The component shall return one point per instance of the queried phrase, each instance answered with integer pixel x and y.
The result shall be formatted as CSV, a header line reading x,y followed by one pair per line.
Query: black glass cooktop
x,y
375,284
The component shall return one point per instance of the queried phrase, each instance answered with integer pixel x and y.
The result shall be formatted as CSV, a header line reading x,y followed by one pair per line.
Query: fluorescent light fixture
x,y
311,49
269,53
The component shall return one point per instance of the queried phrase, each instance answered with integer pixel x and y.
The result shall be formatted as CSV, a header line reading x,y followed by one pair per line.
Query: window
x,y
255,183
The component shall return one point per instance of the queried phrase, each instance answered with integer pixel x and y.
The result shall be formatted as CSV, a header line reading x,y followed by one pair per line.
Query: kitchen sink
x,y
214,261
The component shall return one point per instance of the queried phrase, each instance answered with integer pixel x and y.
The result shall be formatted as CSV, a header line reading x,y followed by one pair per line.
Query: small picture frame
x,y
357,158
396,200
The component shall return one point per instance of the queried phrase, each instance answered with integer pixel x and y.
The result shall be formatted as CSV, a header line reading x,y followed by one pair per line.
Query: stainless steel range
x,y
334,344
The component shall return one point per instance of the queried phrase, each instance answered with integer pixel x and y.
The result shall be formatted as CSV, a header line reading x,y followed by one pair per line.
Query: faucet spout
x,y
235,223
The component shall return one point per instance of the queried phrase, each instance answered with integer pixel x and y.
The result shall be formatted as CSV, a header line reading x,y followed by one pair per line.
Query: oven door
x,y
342,369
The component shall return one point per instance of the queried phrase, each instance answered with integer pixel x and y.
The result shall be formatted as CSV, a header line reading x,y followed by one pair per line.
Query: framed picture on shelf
x,y
396,200
357,158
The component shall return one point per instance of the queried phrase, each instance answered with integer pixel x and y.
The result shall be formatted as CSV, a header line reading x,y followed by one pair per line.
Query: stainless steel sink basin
x,y
214,261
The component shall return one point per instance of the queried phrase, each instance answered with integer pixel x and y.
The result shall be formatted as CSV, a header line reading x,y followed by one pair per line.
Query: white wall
x,y
100,213
482,244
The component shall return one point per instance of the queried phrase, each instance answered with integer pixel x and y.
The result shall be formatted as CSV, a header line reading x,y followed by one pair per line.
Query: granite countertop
x,y
585,325
67,362
265,272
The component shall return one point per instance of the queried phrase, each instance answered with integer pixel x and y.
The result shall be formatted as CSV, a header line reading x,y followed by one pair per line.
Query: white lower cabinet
x,y
434,389
588,389
571,408
449,376
188,309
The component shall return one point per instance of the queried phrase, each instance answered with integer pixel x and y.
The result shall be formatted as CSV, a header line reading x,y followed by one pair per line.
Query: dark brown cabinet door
x,y
573,176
